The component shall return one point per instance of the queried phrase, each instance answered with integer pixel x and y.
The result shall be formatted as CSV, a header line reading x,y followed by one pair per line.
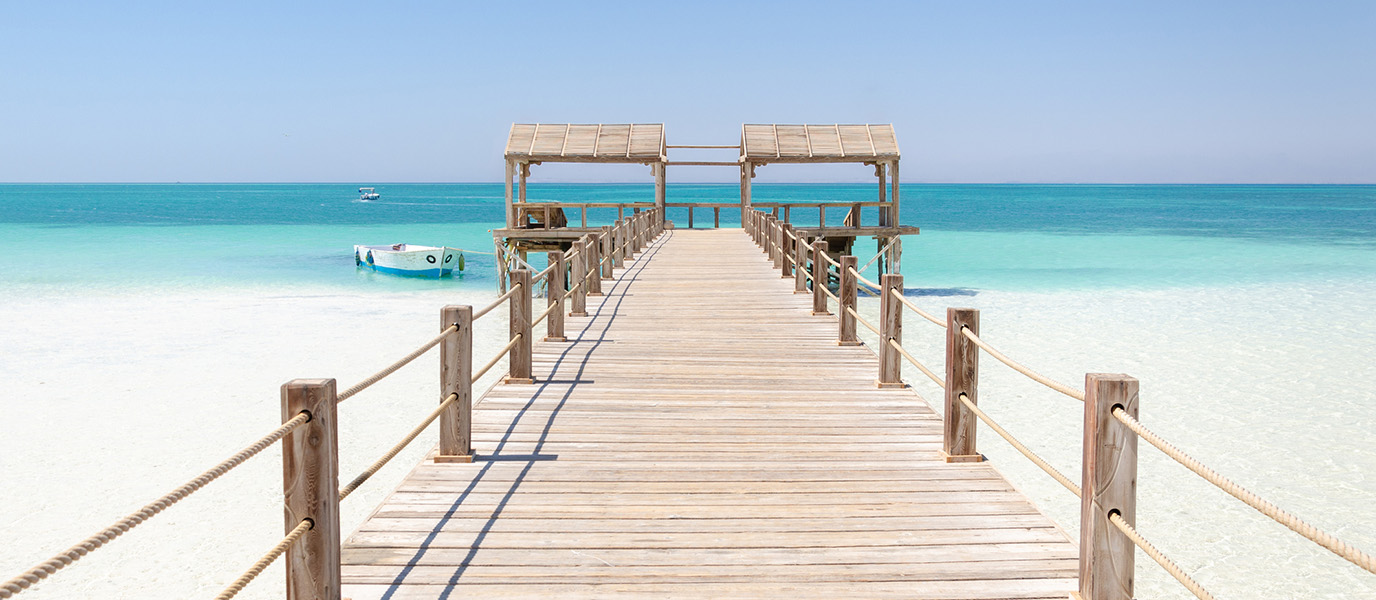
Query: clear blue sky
x,y
425,91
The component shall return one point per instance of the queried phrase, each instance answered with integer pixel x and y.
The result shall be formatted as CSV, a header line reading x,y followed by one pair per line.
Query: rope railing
x,y
392,368
1021,368
1263,506
1020,447
495,303
921,367
1166,563
862,321
120,527
544,314
921,313
267,559
394,450
500,353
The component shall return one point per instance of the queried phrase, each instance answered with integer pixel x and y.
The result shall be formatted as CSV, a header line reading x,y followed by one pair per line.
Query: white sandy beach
x,y
110,401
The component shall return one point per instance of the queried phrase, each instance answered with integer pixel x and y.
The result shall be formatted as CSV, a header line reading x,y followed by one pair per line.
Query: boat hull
x,y
409,260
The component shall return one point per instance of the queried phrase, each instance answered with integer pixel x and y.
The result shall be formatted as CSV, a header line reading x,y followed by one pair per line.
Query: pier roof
x,y
774,143
593,142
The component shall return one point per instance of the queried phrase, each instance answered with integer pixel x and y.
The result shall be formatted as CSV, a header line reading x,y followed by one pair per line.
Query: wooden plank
x,y
310,486
701,430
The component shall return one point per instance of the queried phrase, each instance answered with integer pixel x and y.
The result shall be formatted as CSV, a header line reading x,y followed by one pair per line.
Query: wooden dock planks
x,y
701,434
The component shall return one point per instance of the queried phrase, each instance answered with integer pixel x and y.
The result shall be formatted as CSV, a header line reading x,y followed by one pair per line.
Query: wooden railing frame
x,y
519,319
846,298
821,278
456,377
310,488
786,251
891,328
962,379
1108,485
578,273
554,295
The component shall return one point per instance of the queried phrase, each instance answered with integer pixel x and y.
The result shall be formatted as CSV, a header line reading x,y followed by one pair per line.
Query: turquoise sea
x,y
67,238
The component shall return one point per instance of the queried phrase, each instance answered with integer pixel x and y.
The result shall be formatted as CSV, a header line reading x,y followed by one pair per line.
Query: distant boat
x,y
410,259
366,194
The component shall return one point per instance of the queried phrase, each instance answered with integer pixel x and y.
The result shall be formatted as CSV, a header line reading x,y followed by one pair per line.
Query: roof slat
x,y
586,142
818,143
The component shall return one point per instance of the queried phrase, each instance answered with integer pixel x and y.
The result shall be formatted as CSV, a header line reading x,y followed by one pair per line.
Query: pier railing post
x,y
593,277
891,328
820,280
1108,486
846,299
785,252
771,225
799,266
579,283
780,258
554,295
519,369
619,244
962,379
456,375
605,264
310,486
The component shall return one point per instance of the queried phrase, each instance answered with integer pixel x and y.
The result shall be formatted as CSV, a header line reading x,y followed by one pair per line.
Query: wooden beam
x,y
519,317
579,282
456,375
1108,485
554,295
962,379
310,488
891,329
820,277
510,210
846,298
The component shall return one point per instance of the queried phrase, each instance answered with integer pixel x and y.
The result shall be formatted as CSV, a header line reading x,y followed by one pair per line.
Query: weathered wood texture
x,y
310,489
456,374
1109,484
700,434
962,379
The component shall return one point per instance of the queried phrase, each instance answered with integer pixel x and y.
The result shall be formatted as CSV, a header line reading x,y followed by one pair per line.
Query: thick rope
x,y
1032,456
1021,368
861,279
829,294
395,450
863,322
1156,555
267,559
544,273
548,309
88,545
500,353
392,368
1279,515
831,260
920,366
495,303
922,313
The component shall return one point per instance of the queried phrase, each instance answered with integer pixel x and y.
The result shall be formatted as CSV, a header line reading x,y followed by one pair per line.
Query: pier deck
x,y
701,434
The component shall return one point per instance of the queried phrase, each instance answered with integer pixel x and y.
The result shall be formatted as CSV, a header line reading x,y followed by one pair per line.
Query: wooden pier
x,y
701,433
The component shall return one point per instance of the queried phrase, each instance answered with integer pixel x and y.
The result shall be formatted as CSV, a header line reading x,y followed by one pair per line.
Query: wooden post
x,y
605,256
962,378
716,217
523,171
579,284
747,173
554,295
893,193
820,279
593,277
510,209
456,377
660,195
879,171
800,266
619,244
1109,485
310,484
785,251
822,215
890,328
846,298
620,213
690,217
519,371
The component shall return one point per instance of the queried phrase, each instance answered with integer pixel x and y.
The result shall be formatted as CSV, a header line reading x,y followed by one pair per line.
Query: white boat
x,y
410,259
366,194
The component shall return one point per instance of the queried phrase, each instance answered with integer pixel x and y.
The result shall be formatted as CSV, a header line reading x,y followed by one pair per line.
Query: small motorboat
x,y
366,194
410,259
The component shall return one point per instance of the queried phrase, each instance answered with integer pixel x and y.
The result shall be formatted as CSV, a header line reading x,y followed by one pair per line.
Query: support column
x,y
891,329
579,283
962,379
846,298
661,189
519,317
510,209
554,296
1108,486
893,183
820,279
456,377
310,486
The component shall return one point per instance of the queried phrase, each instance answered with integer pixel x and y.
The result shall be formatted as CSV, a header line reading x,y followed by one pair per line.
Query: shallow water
x,y
146,329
